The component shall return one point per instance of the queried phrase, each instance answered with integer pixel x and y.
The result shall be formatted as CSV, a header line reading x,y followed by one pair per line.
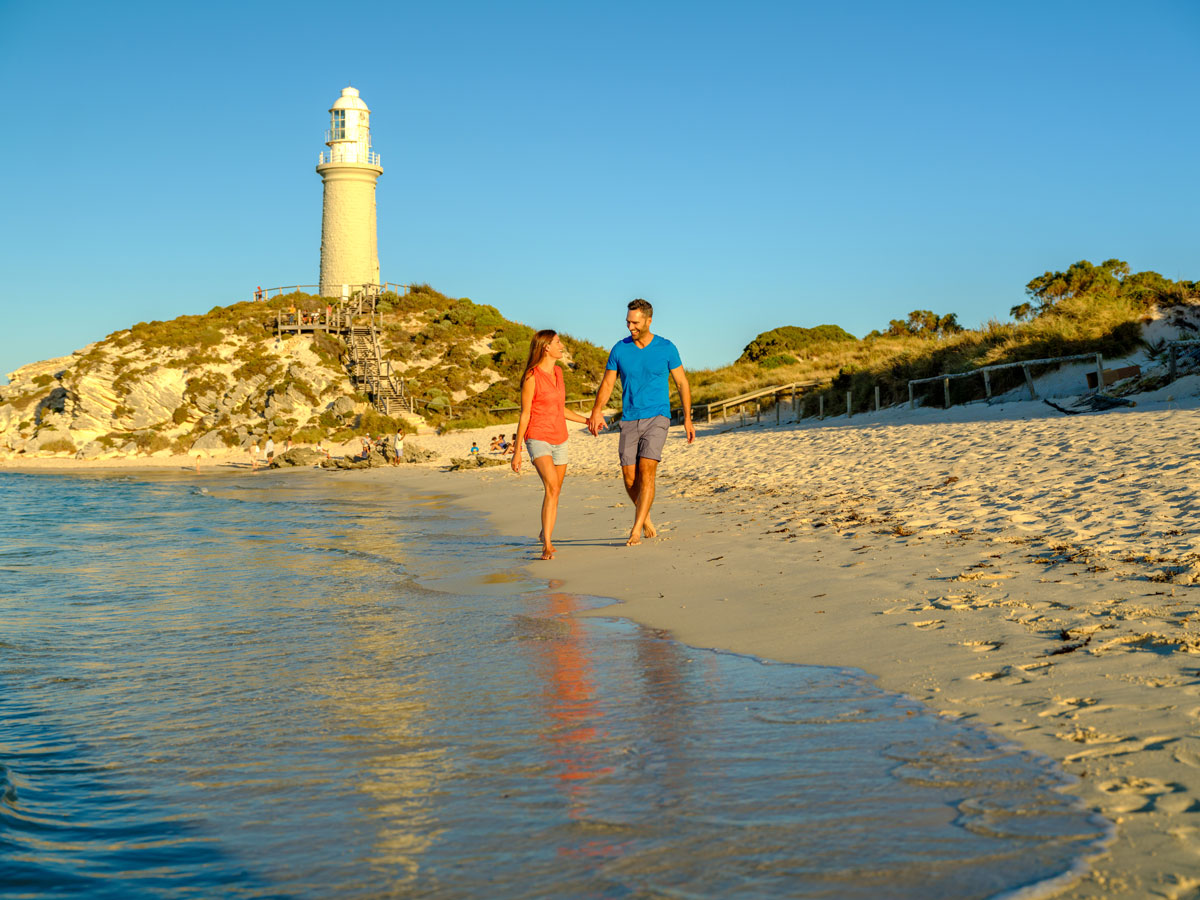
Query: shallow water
x,y
307,685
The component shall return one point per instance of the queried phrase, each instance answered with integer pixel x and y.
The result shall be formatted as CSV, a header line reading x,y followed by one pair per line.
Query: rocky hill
x,y
225,380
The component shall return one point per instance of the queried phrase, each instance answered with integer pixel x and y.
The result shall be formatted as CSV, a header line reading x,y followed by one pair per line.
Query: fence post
x,y
742,410
877,407
795,409
709,414
1171,370
1099,374
912,400
849,395
821,406
946,391
987,384
757,412
776,409
1029,383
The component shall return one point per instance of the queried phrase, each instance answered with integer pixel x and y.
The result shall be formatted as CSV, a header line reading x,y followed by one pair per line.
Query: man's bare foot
x,y
634,540
648,530
548,552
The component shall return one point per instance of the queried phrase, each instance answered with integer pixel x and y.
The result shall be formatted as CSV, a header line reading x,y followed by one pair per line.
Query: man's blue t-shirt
x,y
644,371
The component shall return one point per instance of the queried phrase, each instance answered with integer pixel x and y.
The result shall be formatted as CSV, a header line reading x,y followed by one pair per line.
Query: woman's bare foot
x,y
548,552
634,539
648,530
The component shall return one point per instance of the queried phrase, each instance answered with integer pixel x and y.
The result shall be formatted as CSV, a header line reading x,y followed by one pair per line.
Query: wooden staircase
x,y
372,375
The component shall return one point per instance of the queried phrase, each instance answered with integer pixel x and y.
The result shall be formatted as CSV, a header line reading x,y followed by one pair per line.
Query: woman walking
x,y
543,425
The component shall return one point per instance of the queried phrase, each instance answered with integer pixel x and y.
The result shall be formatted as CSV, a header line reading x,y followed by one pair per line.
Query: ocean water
x,y
314,685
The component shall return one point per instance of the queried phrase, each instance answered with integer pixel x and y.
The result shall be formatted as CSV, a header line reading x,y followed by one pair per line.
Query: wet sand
x,y
1023,570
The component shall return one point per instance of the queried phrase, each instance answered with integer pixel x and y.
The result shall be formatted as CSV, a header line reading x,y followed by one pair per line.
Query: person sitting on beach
x,y
497,444
511,446
474,448
543,426
644,361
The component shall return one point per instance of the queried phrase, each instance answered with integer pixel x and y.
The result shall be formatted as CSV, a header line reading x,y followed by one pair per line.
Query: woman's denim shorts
x,y
556,452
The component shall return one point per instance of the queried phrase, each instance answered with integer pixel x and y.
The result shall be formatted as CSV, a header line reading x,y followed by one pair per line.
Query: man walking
x,y
643,360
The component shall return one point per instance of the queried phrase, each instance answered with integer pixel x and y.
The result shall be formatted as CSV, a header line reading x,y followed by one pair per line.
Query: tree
x,y
924,323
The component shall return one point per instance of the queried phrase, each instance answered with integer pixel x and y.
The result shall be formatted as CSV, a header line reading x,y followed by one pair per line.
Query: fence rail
x,y
752,396
1172,350
262,294
987,379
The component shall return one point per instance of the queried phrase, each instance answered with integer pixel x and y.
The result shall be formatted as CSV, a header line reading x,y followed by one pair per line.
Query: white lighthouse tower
x,y
350,168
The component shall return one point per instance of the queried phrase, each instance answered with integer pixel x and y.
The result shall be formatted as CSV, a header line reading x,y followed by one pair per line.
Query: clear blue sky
x,y
742,165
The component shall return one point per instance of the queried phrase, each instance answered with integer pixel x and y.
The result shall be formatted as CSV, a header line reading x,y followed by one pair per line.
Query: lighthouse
x,y
349,170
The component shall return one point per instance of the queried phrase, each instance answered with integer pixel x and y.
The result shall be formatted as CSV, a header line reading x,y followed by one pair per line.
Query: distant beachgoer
x,y
270,449
366,447
543,426
497,443
511,446
258,294
644,361
399,449
254,456
474,448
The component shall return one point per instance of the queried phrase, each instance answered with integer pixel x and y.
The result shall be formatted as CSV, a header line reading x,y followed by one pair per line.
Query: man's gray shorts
x,y
642,439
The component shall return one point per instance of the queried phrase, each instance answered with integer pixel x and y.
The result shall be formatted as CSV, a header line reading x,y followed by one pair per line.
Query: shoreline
x,y
1031,574
1049,634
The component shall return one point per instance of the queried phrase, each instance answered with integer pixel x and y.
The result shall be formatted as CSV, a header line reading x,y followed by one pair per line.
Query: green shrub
x,y
181,414
43,380
309,434
58,445
208,383
780,359
150,441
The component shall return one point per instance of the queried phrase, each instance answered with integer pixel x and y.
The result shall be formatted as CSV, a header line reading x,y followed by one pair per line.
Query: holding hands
x,y
596,423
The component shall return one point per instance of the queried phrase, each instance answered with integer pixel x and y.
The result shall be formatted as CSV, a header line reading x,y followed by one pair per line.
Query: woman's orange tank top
x,y
546,420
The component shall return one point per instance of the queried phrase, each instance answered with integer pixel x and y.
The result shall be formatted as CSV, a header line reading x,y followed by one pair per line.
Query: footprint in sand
x,y
1134,794
929,624
1005,674
983,646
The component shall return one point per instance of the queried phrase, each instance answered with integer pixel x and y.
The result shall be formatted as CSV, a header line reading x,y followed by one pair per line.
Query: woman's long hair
x,y
537,350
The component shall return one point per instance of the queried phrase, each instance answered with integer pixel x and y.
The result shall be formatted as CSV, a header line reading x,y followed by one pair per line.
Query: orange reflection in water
x,y
576,734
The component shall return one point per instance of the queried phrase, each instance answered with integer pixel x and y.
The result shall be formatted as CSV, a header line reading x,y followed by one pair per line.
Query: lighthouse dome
x,y
349,100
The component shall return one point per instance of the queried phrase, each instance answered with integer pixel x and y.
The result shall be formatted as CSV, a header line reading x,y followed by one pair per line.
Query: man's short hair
x,y
642,306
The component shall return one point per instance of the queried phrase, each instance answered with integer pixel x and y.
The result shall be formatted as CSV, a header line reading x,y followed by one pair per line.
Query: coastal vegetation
x,y
225,379
1085,309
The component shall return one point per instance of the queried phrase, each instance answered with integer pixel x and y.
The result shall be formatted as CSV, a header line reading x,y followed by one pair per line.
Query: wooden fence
x,y
987,380
1173,351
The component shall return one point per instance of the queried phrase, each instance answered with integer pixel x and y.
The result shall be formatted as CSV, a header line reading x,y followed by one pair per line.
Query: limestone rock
x,y
478,461
342,406
209,441
298,456
416,454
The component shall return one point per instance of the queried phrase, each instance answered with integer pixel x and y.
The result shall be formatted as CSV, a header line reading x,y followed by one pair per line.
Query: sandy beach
x,y
1024,570
1027,571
